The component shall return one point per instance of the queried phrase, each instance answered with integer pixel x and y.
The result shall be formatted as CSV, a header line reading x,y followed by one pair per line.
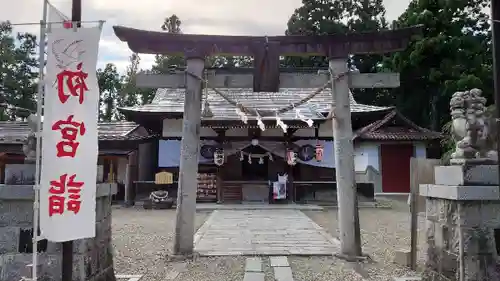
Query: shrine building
x,y
239,162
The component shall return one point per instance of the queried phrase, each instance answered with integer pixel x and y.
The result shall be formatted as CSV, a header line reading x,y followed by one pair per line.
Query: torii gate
x,y
266,78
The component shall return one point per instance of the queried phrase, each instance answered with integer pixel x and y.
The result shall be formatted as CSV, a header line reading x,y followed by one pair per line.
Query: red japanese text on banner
x,y
69,146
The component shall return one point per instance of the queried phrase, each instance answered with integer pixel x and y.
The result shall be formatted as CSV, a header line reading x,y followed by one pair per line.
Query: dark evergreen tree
x,y
18,70
453,53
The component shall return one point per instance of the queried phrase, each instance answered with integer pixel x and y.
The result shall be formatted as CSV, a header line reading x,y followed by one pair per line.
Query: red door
x,y
396,167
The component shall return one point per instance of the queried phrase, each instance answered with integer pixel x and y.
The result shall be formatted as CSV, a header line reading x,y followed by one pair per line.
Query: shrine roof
x,y
171,101
396,127
16,132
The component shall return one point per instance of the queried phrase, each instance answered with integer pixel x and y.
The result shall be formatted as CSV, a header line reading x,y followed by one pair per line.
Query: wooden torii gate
x,y
267,78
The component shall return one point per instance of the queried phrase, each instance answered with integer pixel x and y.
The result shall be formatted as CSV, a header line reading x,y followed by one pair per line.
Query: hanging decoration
x,y
306,153
255,156
243,112
291,157
260,123
281,124
207,151
219,157
302,118
319,152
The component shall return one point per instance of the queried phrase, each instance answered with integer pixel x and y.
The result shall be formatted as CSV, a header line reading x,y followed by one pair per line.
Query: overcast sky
x,y
227,17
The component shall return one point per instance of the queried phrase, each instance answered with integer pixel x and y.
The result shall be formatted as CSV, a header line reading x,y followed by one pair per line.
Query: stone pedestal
x,y
463,220
93,258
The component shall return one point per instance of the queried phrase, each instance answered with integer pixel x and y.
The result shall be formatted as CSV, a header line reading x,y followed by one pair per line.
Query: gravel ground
x,y
142,240
383,231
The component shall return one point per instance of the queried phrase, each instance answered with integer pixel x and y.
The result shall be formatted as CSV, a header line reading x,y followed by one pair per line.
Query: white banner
x,y
69,139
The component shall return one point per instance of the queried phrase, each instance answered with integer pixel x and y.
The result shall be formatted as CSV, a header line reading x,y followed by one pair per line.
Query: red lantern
x,y
319,152
291,157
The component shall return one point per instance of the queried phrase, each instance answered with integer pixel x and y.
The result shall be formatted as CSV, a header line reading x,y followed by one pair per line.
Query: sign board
x,y
164,178
69,147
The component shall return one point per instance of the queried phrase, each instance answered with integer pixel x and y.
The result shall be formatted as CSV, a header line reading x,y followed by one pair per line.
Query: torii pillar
x,y
337,47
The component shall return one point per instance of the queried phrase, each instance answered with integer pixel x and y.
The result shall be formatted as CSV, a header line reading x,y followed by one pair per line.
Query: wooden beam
x,y
332,45
287,80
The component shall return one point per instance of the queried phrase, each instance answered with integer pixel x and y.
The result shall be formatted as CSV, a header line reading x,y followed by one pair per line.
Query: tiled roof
x,y
172,101
384,130
16,132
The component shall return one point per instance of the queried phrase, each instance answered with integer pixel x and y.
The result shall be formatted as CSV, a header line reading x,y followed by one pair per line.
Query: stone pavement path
x,y
262,232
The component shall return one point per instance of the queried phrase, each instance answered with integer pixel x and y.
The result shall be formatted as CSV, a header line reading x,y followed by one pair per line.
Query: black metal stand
x,y
67,247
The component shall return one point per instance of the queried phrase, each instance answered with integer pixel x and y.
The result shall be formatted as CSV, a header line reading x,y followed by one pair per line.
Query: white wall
x,y
366,154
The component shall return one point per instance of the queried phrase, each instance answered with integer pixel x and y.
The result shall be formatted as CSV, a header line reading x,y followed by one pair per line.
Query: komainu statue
x,y
472,129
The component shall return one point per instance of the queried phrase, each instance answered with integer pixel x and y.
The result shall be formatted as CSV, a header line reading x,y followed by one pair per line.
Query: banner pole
x,y
67,247
39,104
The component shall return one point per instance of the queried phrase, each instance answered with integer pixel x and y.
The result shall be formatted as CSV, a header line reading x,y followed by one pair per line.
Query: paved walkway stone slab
x,y
279,261
254,276
283,274
262,232
253,265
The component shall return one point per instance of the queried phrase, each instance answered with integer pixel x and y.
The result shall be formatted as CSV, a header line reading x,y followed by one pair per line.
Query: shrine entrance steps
x,y
265,232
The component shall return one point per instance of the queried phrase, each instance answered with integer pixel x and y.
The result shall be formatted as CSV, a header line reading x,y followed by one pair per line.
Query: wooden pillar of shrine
x,y
131,176
344,161
188,168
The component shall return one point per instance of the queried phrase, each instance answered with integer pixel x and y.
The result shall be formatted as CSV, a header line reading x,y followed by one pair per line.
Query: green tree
x,y
321,17
129,96
110,85
18,70
163,63
317,17
453,53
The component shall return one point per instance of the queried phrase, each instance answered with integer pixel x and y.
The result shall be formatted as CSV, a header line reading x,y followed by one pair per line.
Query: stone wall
x,y
477,222
92,260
